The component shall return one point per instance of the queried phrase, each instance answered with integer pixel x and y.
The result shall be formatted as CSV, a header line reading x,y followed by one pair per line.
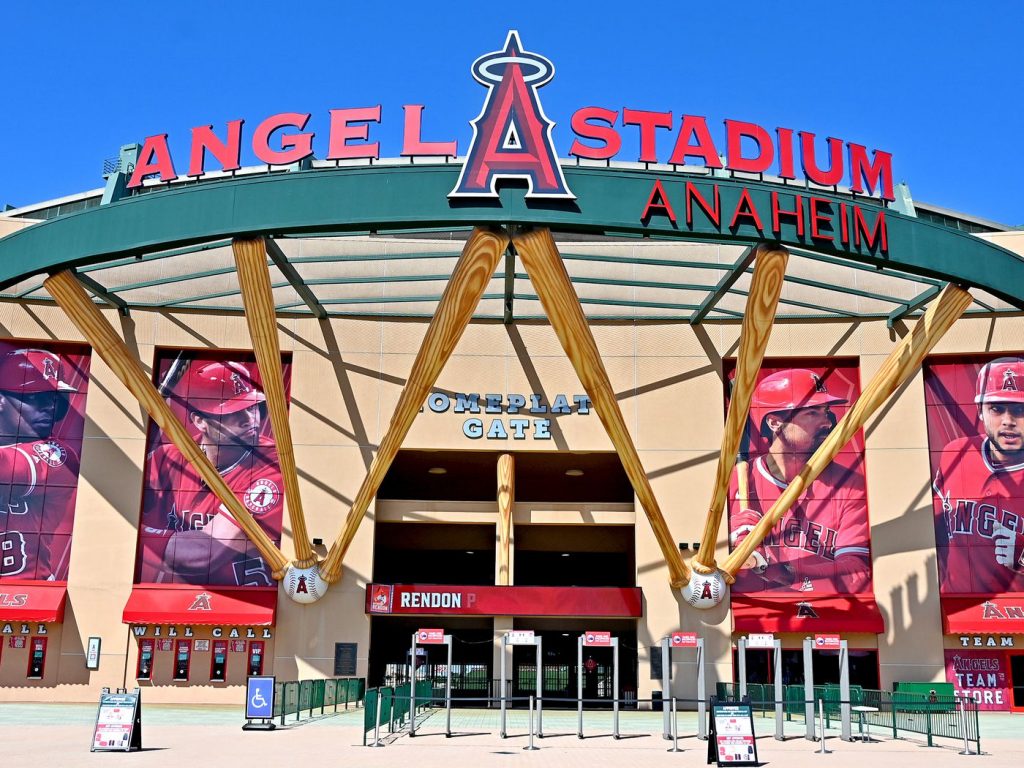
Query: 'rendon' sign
x,y
514,139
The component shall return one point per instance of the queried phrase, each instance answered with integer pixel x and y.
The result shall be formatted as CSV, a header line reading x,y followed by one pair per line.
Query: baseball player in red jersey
x,y
979,489
822,543
38,471
187,535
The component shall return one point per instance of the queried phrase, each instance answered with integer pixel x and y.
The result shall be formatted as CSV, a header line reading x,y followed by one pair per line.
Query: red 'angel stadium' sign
x,y
512,138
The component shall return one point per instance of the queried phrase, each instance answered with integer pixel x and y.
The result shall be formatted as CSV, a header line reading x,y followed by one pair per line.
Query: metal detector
x,y
597,640
770,642
683,640
431,637
523,638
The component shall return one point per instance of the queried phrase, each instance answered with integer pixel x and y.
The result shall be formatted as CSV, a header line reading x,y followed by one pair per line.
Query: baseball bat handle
x,y
762,301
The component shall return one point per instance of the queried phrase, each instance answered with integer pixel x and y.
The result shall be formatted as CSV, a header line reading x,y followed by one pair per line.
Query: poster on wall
x,y
186,536
981,675
822,545
975,414
43,388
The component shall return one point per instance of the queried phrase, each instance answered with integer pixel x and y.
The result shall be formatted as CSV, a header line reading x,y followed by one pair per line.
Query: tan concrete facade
x,y
346,377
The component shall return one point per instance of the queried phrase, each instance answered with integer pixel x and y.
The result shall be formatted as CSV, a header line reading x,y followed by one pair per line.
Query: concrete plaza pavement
x,y
60,735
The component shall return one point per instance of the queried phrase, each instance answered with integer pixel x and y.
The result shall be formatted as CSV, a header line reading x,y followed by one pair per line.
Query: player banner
x,y
186,536
822,545
43,388
975,413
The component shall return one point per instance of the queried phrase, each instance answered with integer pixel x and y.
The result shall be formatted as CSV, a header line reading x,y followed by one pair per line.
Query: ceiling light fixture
x,y
437,471
574,473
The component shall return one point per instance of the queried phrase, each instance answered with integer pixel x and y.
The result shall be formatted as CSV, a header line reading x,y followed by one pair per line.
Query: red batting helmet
x,y
788,390
1001,381
218,389
32,370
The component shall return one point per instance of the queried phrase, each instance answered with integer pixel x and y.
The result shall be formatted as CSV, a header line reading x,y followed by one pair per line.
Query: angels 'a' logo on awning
x,y
512,135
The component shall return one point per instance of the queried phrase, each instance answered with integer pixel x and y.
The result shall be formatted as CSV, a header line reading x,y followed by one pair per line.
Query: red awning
x,y
983,614
789,613
190,604
40,601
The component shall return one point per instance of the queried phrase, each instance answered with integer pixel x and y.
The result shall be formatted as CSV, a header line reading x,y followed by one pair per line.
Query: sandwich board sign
x,y
118,722
731,737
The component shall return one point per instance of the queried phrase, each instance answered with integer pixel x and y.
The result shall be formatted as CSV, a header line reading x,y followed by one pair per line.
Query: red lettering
x,y
876,237
658,203
834,174
155,158
413,145
778,212
745,210
294,147
697,127
818,218
584,128
785,137
714,214
735,132
228,153
343,131
649,123
879,171
844,226
1014,612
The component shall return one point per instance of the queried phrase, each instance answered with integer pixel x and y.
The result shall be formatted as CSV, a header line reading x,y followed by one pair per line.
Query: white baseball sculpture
x,y
705,590
304,585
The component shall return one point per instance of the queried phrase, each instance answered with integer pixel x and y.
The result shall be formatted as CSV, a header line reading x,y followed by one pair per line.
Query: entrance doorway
x,y
1017,681
472,655
560,648
863,667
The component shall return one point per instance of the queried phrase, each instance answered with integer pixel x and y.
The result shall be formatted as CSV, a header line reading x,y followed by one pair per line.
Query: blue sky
x,y
937,84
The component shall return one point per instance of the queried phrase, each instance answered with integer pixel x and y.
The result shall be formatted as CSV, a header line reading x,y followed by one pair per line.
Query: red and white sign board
x,y
826,642
760,640
594,638
520,637
683,640
429,636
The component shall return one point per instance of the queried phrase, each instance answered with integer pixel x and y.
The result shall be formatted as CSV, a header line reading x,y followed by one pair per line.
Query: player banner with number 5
x,y
186,535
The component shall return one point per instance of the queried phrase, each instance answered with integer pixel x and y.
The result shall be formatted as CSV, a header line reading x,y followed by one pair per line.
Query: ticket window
x,y
145,668
256,657
219,661
36,658
182,659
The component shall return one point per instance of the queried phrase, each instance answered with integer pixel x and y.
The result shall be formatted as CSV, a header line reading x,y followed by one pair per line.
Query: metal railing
x,y
898,712
297,696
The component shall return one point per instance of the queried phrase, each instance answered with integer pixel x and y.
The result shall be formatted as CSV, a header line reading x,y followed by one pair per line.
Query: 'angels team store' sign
x,y
512,139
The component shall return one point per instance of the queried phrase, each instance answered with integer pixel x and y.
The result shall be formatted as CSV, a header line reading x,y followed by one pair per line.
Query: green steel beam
x,y
726,283
912,306
102,293
508,314
608,201
292,276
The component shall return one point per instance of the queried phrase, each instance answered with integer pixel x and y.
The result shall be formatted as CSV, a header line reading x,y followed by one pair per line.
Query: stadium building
x,y
500,404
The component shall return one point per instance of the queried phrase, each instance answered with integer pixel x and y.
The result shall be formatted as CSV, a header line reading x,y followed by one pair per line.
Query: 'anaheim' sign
x,y
512,140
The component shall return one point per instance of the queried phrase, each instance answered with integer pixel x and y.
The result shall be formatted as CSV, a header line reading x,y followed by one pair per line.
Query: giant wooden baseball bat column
x,y
461,296
900,365
72,298
540,257
762,301
258,298
506,500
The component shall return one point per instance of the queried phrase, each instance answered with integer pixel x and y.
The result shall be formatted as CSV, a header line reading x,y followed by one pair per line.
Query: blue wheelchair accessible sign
x,y
259,702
